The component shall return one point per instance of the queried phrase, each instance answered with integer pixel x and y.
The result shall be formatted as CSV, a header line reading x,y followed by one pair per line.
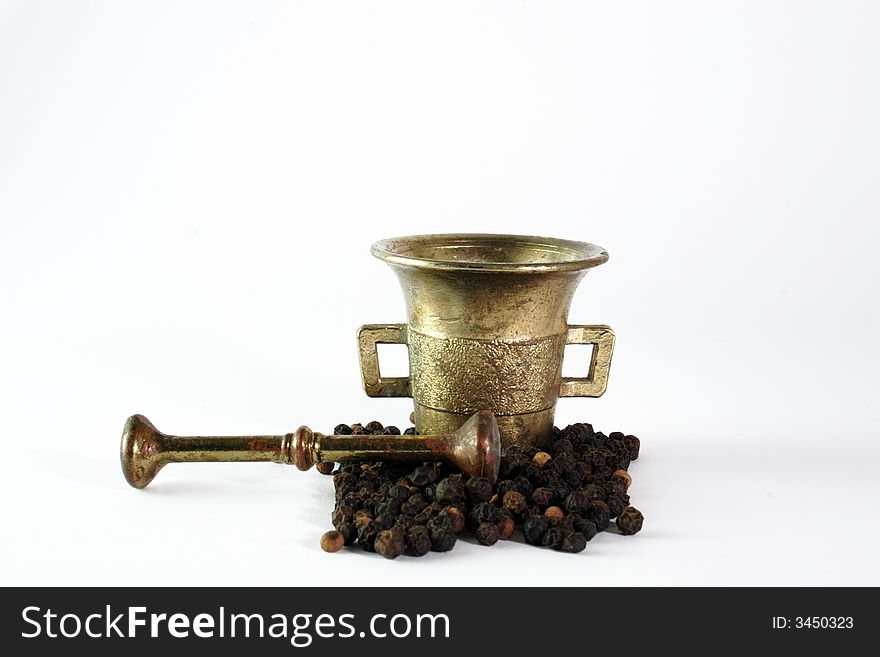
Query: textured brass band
x,y
462,375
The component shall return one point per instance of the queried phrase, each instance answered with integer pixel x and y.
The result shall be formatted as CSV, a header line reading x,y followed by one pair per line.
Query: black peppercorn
x,y
384,520
414,505
422,508
389,506
560,489
418,541
573,542
531,510
442,541
484,512
630,521
423,476
422,518
616,504
542,496
513,464
599,514
405,522
456,518
594,492
577,502
362,517
553,537
450,489
341,514
596,457
478,490
534,529
584,471
633,445
614,486
344,480
563,445
342,430
503,487
487,533
390,543
536,475
351,500
589,530
348,531
523,485
440,522
399,491
367,536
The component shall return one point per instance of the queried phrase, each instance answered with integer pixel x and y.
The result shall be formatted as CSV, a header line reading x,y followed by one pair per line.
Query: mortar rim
x,y
577,256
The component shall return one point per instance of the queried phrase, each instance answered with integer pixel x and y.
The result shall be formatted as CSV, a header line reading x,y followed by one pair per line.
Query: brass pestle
x,y
475,448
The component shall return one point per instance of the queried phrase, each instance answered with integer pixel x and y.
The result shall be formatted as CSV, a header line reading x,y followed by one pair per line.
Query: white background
x,y
188,193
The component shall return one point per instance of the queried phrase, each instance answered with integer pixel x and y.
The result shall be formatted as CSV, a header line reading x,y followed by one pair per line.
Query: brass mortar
x,y
487,325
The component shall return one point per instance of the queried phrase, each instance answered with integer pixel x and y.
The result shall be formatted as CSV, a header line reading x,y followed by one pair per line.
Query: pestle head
x,y
476,446
141,451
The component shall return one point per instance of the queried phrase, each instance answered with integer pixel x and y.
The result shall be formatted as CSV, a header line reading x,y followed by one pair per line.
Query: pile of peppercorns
x,y
560,498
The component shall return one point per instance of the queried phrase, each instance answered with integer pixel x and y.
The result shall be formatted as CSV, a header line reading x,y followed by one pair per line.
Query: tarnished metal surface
x,y
486,328
522,426
510,377
475,448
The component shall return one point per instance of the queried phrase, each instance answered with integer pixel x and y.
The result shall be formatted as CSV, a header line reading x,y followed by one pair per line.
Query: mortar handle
x,y
596,381
375,385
